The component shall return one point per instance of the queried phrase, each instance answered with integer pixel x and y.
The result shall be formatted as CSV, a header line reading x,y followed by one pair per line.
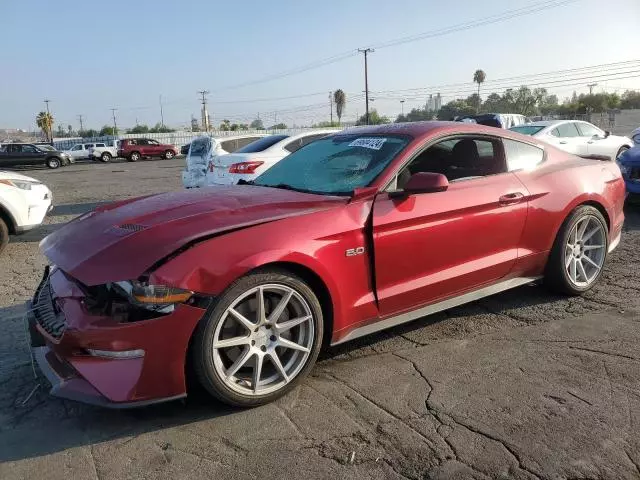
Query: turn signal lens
x,y
244,167
159,294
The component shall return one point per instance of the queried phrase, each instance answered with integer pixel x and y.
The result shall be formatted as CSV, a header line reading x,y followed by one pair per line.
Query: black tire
x,y
53,162
168,155
202,353
556,276
623,149
134,156
105,157
4,235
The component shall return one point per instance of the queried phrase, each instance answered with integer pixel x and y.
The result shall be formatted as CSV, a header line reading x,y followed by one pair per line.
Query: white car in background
x,y
82,151
579,138
258,157
24,202
203,149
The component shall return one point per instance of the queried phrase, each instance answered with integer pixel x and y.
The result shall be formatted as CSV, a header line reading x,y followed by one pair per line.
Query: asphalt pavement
x,y
522,385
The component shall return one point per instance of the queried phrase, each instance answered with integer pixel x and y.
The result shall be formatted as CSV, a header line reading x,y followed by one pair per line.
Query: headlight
x,y
21,184
153,297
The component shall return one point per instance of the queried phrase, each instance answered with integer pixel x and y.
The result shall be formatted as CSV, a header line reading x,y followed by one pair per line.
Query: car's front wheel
x,y
259,340
168,155
134,156
53,162
579,252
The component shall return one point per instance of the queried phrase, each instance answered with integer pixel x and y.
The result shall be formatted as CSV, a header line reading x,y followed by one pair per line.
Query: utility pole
x,y
49,125
331,108
115,125
591,85
161,113
402,104
366,81
205,114
81,127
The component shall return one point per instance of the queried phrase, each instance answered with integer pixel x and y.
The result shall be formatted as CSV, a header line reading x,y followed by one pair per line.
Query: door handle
x,y
511,198
563,142
590,141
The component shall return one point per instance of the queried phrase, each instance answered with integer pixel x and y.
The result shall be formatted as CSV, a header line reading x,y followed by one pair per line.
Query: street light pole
x,y
402,105
366,82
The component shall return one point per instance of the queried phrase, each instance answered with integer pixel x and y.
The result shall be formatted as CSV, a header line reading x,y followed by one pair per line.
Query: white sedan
x,y
257,157
204,148
24,202
577,137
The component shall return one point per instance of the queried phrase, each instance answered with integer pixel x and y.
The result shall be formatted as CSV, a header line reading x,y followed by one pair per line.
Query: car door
x,y
30,155
153,147
11,157
597,142
431,246
567,137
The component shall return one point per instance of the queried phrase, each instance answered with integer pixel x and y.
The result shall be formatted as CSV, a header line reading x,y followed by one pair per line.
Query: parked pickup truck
x,y
104,152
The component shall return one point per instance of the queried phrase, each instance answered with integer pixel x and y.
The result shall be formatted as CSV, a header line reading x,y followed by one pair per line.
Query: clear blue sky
x,y
88,57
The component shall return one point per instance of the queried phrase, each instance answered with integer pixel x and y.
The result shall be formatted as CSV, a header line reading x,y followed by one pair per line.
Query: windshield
x,y
527,129
262,144
47,147
335,165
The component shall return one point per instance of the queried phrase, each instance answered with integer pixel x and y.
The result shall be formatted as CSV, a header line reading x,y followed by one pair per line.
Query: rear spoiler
x,y
604,158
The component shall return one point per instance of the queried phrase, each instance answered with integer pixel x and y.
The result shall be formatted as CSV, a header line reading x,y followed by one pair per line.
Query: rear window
x,y
199,147
262,144
527,129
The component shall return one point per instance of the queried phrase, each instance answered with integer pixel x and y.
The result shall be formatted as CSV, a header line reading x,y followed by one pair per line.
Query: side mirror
x,y
606,133
423,182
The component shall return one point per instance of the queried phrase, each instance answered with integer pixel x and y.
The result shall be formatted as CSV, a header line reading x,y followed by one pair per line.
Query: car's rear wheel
x,y
259,340
579,252
168,155
105,157
4,234
134,156
53,162
621,151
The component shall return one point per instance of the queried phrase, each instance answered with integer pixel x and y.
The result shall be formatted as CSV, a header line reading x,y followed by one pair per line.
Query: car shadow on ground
x,y
74,208
77,425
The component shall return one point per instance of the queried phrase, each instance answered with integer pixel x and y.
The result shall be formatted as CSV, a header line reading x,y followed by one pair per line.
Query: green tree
x,y
225,125
340,99
279,126
374,119
88,133
60,131
325,124
45,122
630,100
416,115
244,126
70,130
139,129
159,128
479,77
106,131
234,127
454,109
257,124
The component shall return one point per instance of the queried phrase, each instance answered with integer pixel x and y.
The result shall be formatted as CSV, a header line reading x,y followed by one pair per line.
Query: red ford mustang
x,y
369,228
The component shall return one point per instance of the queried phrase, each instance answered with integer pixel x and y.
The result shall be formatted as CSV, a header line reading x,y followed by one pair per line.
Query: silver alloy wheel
x,y
54,163
168,155
135,156
585,251
263,340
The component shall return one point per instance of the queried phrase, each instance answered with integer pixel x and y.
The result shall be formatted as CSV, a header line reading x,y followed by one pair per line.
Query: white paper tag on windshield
x,y
374,143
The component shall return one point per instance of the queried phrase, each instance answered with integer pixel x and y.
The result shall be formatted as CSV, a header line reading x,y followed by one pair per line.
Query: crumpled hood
x,y
123,240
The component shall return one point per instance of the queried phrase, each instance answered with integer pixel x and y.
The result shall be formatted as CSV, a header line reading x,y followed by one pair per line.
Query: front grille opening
x,y
47,313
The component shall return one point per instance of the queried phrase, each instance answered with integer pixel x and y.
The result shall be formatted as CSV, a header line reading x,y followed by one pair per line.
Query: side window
x,y
458,159
588,130
522,156
152,142
142,141
76,148
132,142
294,145
88,146
567,130
15,148
100,145
243,142
28,149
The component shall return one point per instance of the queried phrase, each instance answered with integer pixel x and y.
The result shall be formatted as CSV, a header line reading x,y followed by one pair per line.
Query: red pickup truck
x,y
133,149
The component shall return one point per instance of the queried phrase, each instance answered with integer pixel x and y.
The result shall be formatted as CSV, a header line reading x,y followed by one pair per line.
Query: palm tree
x,y
45,123
340,98
479,77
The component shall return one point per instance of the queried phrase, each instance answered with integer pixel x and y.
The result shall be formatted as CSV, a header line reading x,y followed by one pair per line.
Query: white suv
x,y
24,202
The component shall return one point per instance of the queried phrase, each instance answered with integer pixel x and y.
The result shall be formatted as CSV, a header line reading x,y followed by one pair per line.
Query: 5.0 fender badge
x,y
352,252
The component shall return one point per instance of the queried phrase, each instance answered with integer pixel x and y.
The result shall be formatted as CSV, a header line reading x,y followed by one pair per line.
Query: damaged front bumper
x,y
98,360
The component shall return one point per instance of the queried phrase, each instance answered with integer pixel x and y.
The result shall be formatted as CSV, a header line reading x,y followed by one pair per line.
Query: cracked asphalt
x,y
521,385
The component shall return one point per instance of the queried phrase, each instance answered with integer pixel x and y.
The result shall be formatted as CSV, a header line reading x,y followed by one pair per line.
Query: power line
x,y
496,18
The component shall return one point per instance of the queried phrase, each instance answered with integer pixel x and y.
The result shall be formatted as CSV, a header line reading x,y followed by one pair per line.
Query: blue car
x,y
629,163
